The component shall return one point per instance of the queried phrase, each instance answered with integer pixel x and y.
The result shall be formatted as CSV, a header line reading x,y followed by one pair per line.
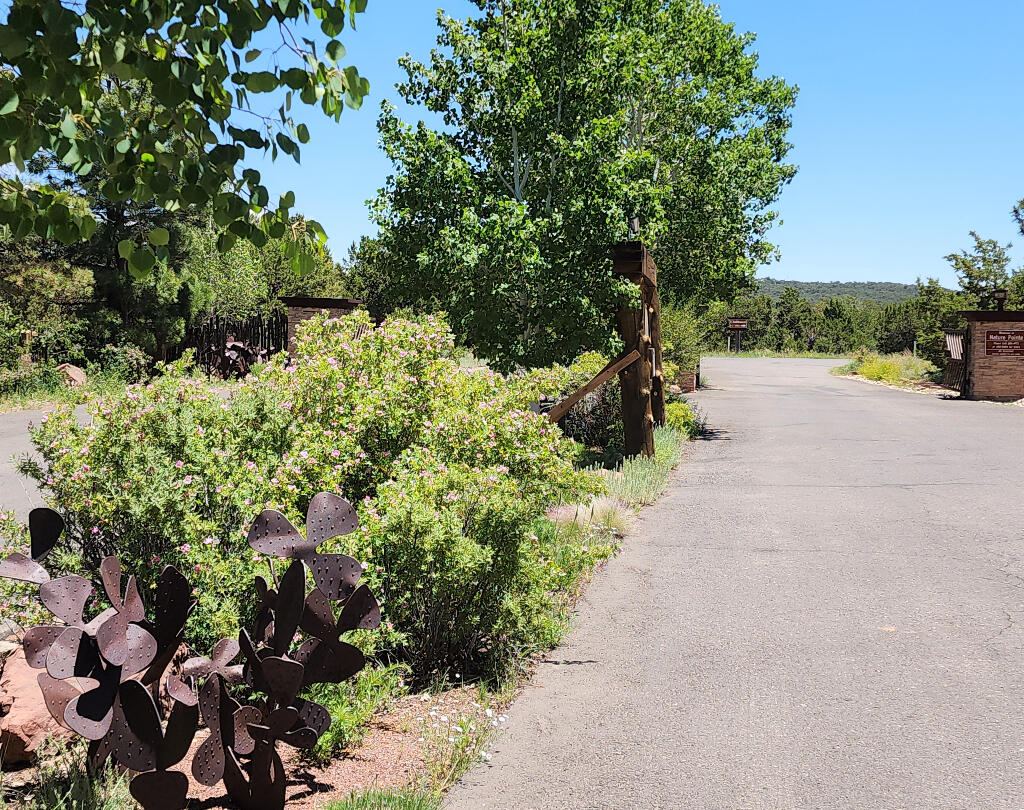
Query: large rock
x,y
24,720
73,375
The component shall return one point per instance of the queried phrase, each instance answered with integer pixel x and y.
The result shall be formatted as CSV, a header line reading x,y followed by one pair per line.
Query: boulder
x,y
24,720
73,375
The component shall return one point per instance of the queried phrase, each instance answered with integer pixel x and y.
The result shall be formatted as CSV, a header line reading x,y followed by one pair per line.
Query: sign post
x,y
737,326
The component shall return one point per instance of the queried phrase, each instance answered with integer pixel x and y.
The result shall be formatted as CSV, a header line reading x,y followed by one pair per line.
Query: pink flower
x,y
179,464
185,549
188,479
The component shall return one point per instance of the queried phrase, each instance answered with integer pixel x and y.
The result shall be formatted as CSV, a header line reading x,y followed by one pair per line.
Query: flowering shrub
x,y
680,416
448,466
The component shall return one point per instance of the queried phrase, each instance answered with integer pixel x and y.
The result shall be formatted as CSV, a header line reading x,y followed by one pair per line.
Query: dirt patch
x,y
393,756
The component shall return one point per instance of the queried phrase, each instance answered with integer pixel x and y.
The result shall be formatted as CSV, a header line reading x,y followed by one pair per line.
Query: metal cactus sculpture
x,y
102,677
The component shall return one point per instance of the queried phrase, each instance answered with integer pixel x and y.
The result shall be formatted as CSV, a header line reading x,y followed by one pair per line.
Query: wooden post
x,y
639,328
649,288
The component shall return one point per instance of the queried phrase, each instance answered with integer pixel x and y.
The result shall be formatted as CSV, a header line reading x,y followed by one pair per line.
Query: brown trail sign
x,y
737,326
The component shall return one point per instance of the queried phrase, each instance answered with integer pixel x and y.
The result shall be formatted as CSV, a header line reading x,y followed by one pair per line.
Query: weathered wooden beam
x,y
639,381
605,374
635,382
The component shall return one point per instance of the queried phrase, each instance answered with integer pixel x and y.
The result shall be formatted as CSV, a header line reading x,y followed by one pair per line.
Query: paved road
x,y
16,492
826,611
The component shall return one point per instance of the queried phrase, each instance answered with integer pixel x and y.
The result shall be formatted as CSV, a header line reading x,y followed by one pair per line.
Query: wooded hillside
x,y
881,292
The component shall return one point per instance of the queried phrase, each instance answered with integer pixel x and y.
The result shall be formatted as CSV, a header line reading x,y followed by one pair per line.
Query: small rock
x,y
25,721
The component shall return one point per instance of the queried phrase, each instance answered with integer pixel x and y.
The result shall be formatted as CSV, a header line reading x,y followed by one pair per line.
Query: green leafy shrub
x,y
895,369
352,703
128,363
596,420
681,339
448,547
11,327
29,381
447,466
640,480
880,370
681,417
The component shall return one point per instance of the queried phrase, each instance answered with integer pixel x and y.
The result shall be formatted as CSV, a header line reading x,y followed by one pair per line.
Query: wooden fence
x,y
953,376
209,338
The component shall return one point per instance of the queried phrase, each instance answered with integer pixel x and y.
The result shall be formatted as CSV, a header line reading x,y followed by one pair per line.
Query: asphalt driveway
x,y
17,492
825,611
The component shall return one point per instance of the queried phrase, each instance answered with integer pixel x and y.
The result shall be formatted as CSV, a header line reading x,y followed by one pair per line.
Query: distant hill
x,y
881,292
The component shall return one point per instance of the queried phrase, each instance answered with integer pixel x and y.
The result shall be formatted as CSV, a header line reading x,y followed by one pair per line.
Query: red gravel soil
x,y
391,757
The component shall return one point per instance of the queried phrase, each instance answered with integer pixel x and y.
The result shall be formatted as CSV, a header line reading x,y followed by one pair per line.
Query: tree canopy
x,y
155,96
982,270
561,120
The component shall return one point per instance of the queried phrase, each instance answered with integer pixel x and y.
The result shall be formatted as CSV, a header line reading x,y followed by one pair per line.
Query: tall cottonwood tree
x,y
561,119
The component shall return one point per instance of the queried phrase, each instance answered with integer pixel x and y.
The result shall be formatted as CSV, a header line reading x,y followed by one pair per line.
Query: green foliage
x,y
880,292
840,325
389,800
680,417
641,479
879,369
791,322
127,363
898,326
937,309
681,338
28,382
11,328
62,64
248,280
983,270
896,369
503,218
449,467
352,703
63,782
596,420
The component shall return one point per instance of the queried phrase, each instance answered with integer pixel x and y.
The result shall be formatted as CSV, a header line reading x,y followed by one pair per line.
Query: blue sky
x,y
907,130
